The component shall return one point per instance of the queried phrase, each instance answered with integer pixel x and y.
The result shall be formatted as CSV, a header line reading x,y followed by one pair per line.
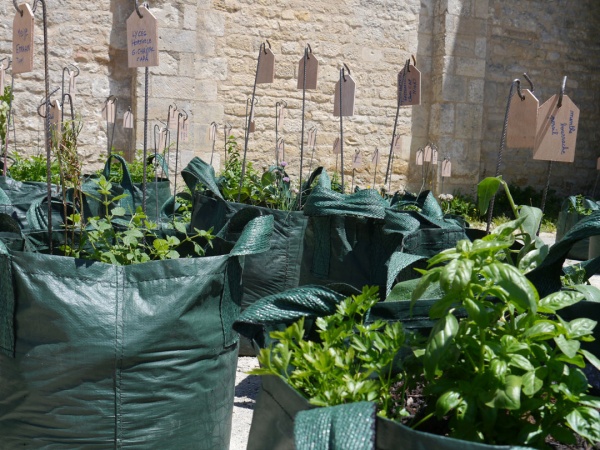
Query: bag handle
x,y
160,160
198,171
256,234
126,180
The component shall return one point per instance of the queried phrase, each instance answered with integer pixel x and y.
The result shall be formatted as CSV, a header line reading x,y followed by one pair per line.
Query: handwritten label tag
x,y
281,117
446,168
434,157
397,145
184,127
109,112
128,119
281,149
312,138
22,54
142,39
266,68
357,161
556,130
375,157
312,69
348,96
163,138
409,87
420,157
522,121
427,153
72,85
54,114
336,146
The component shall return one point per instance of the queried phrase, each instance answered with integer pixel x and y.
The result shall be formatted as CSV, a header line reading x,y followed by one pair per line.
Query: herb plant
x,y
352,361
579,208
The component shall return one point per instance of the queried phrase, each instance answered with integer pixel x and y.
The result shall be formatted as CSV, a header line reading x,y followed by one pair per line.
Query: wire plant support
x,y
402,83
249,117
110,105
307,52
9,114
342,81
213,138
47,115
182,115
312,143
279,112
227,127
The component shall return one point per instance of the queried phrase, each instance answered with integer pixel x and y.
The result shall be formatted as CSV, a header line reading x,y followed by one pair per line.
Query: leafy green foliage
x,y
352,362
510,371
580,208
5,99
32,168
113,240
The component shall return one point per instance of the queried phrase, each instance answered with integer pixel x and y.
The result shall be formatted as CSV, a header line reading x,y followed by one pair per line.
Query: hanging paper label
x,y
397,145
142,39
409,87
184,127
420,157
266,67
312,69
72,85
22,54
336,146
109,112
375,158
281,115
348,96
357,161
128,119
162,138
434,157
427,153
54,114
446,168
312,138
556,130
522,121
173,114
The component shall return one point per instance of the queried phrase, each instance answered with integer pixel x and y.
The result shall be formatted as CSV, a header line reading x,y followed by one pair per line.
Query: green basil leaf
x,y
559,300
521,362
522,293
439,343
486,190
567,346
533,219
455,275
593,359
531,383
581,327
447,402
541,330
510,396
586,422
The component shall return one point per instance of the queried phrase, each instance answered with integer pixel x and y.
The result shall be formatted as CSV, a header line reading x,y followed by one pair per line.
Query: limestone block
x,y
211,68
178,40
469,120
175,87
470,67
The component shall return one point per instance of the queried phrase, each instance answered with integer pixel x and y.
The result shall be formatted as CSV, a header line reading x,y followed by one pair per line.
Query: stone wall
x,y
468,52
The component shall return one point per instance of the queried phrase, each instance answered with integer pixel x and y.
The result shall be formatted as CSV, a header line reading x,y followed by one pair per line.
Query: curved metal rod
x,y
20,11
183,113
137,9
8,65
171,108
111,98
347,68
562,91
519,93
309,47
529,81
281,103
214,127
45,100
414,60
266,46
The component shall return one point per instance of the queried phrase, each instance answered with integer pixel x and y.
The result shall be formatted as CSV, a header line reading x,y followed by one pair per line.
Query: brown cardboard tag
x,y
22,51
357,160
409,87
72,85
375,157
266,67
128,119
348,96
184,127
54,114
420,154
556,134
522,121
427,151
109,112
312,69
336,146
142,39
446,168
397,145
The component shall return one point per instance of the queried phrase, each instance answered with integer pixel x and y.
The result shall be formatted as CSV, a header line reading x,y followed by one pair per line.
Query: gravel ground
x,y
248,386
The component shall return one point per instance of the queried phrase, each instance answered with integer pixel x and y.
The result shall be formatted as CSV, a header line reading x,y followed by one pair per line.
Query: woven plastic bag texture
x,y
104,356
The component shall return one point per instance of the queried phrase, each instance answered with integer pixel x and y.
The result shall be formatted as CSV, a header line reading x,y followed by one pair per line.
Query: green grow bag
x,y
158,191
567,219
100,356
283,419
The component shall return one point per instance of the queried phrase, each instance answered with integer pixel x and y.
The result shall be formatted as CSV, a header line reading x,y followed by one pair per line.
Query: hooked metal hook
x,y
414,60
45,100
347,68
20,11
281,103
307,49
518,83
529,81
137,9
69,71
111,98
407,66
562,91
8,65
182,113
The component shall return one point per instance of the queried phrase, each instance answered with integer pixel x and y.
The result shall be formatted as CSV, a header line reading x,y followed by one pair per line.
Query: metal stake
x,y
391,155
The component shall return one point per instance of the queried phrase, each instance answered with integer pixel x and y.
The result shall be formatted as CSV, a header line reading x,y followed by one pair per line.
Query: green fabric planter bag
x,y
100,356
567,218
158,192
